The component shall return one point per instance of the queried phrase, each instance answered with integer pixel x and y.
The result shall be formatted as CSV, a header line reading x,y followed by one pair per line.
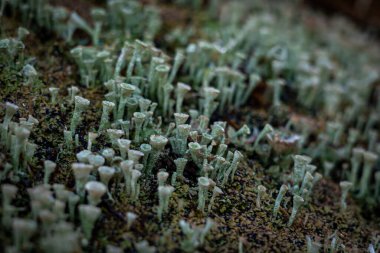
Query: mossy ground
x,y
235,211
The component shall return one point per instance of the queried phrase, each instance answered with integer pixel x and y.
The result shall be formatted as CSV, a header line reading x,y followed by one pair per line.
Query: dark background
x,y
365,13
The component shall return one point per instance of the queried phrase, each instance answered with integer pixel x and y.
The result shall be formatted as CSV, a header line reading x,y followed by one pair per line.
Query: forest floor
x,y
235,213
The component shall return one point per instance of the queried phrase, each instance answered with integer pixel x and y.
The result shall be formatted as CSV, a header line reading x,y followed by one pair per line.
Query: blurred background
x,y
365,13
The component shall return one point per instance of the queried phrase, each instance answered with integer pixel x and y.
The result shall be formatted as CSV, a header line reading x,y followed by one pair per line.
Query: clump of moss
x,y
244,106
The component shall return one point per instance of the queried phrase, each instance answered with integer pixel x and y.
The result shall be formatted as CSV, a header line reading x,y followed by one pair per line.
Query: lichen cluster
x,y
127,128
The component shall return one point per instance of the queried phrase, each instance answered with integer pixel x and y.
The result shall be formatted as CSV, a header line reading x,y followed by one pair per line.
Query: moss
x,y
235,211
